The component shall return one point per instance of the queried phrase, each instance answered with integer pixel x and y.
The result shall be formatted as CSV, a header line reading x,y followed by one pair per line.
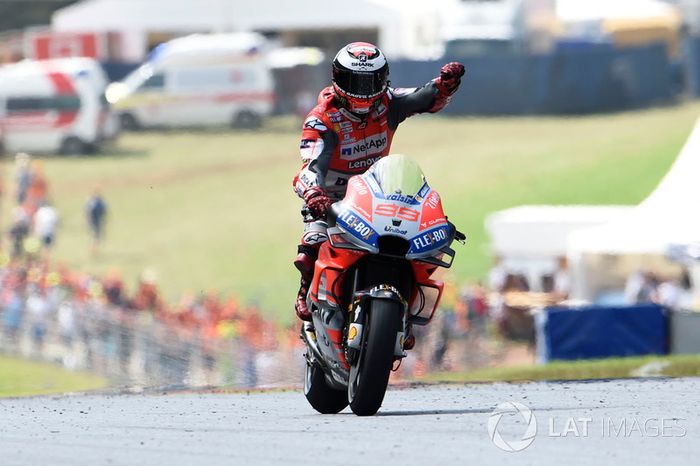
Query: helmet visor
x,y
363,85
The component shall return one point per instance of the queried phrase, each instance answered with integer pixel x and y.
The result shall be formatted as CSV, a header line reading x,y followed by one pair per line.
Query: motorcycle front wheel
x,y
320,396
370,376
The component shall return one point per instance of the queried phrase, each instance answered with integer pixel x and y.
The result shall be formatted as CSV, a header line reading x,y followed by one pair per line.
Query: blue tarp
x,y
601,332
569,81
691,59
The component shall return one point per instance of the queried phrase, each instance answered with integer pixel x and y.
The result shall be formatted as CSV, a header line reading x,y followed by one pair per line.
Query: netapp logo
x,y
368,146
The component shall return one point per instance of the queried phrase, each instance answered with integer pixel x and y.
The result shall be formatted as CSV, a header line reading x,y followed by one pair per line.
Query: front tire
x,y
320,396
370,376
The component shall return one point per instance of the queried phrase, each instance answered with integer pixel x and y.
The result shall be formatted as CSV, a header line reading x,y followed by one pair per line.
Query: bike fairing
x,y
354,218
364,295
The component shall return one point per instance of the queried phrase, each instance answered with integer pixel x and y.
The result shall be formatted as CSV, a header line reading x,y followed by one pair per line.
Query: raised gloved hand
x,y
318,202
450,75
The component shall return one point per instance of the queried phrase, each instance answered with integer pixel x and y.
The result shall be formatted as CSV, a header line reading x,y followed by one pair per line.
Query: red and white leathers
x,y
337,144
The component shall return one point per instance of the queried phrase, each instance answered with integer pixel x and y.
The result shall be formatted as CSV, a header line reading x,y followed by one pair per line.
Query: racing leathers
x,y
337,144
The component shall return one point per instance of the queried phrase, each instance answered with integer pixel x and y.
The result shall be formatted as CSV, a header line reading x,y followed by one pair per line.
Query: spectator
x,y
67,331
498,275
45,225
676,294
648,292
113,288
562,280
478,306
516,282
14,312
19,231
38,315
22,176
38,187
96,211
633,286
147,297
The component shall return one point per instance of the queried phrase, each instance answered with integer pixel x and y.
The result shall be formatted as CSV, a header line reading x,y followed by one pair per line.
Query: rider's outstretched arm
x,y
431,98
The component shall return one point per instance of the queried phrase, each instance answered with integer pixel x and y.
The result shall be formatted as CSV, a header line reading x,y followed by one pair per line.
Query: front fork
x,y
358,317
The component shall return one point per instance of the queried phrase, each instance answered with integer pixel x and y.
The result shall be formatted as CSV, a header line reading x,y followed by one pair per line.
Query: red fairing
x,y
422,272
432,213
337,339
329,270
359,197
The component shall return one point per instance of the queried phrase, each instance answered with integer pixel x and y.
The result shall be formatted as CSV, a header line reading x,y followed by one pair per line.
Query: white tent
x,y
620,20
541,231
530,239
668,216
591,10
402,26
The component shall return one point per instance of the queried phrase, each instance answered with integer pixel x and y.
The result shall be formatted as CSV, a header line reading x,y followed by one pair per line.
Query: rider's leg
x,y
314,235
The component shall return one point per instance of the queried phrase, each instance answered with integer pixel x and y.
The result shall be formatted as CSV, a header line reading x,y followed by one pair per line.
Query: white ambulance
x,y
50,106
198,80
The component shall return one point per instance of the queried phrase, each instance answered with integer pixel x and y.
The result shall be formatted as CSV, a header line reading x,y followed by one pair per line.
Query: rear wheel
x,y
321,397
370,376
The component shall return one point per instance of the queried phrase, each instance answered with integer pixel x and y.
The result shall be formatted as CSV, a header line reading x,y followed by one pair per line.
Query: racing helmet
x,y
360,73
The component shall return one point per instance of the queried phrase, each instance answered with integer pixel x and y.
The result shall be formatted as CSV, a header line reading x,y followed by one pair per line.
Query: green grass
x,y
19,377
216,209
612,368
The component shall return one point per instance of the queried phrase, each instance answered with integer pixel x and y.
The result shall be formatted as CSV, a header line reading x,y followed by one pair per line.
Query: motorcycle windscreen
x,y
398,174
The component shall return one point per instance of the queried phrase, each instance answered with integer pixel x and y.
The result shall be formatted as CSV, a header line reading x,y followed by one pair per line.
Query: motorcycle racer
x,y
350,128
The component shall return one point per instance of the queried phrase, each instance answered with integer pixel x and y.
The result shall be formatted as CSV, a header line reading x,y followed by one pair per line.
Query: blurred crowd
x,y
34,219
93,323
645,286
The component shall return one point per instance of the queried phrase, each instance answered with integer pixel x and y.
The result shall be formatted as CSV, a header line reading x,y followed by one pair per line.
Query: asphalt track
x,y
427,425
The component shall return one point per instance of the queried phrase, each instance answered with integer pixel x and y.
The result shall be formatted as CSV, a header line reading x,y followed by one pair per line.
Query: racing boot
x,y
300,306
304,262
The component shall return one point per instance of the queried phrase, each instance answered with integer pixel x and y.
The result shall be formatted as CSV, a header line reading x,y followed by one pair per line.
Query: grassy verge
x,y
24,378
612,368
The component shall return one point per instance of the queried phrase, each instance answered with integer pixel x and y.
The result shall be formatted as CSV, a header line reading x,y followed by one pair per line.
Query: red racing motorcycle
x,y
372,283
